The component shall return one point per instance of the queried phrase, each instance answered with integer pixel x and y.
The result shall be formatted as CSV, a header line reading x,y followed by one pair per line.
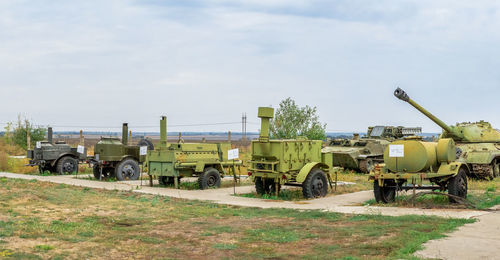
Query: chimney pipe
x,y
163,131
125,134
49,135
265,114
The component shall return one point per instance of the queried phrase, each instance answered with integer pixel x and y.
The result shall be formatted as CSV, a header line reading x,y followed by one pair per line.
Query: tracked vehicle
x,y
172,161
361,154
478,144
295,162
116,158
55,157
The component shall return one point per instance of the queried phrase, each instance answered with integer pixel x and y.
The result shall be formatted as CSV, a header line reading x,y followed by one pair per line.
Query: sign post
x,y
233,155
143,150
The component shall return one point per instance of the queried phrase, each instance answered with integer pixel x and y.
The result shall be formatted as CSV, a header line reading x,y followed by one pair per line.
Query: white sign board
x,y
232,154
38,144
80,149
143,150
397,150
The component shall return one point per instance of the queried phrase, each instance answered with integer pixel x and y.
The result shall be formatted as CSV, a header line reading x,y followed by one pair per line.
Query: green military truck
x,y
295,162
206,161
116,158
56,157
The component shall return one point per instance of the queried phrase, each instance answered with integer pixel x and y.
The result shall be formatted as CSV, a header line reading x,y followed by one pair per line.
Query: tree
x,y
19,136
291,121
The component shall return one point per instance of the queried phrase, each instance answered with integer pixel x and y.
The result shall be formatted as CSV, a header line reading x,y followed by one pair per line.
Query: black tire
x,y
496,168
67,164
366,165
210,178
167,180
106,172
266,186
385,194
146,142
457,185
127,169
315,185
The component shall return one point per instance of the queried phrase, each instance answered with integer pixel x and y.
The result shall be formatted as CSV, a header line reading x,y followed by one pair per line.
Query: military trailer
x,y
116,158
408,163
478,144
56,157
295,162
361,154
172,161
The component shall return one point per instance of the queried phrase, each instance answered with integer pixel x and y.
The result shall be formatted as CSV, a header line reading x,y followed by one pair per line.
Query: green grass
x,y
39,220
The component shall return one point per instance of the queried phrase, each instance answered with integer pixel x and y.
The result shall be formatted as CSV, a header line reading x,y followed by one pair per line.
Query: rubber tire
x,y
458,185
384,194
146,142
210,178
64,163
268,188
120,168
315,185
106,172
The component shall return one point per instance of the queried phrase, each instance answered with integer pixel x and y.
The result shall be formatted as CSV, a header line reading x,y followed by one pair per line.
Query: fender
x,y
452,168
54,162
301,177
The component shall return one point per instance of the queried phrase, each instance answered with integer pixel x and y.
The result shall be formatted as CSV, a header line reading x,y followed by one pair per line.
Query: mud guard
x,y
301,177
452,168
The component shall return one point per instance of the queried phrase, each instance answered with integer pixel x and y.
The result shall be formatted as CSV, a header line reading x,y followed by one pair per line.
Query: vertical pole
x,y
336,178
82,141
234,179
413,198
130,135
229,136
151,180
176,182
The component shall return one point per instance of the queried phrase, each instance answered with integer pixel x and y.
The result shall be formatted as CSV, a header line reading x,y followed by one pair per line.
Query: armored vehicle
x,y
478,144
296,162
113,157
207,161
361,154
413,161
56,157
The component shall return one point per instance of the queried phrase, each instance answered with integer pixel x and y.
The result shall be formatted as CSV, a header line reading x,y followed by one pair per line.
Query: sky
x,y
92,65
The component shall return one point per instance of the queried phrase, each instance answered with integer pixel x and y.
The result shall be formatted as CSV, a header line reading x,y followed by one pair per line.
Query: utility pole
x,y
244,126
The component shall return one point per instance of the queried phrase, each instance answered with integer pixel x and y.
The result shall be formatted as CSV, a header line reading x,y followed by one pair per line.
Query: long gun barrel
x,y
401,94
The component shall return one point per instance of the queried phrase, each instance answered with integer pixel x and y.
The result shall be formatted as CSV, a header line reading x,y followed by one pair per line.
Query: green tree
x,y
19,136
291,121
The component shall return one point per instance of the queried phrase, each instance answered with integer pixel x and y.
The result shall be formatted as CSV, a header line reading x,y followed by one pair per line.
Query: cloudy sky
x,y
101,63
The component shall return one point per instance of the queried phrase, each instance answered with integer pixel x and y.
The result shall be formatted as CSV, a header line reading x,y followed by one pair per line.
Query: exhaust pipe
x,y
265,114
125,134
163,131
49,134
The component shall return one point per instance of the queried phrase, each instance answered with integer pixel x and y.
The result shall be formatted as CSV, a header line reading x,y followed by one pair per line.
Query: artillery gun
x,y
361,154
56,157
478,144
171,162
295,162
115,157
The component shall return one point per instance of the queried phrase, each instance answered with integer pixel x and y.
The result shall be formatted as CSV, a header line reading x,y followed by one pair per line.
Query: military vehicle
x,y
413,161
361,154
56,157
295,162
113,157
478,144
171,162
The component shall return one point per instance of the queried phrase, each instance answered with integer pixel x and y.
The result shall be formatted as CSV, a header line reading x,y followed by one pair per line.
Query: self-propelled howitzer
x,y
478,144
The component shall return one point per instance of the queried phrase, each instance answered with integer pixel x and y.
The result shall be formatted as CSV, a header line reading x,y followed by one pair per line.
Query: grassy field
x,y
41,220
481,195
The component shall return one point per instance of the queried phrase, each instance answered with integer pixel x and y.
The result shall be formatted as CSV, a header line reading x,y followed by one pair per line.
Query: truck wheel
x,y
458,185
265,186
67,164
127,169
315,185
366,166
209,178
106,172
148,143
385,194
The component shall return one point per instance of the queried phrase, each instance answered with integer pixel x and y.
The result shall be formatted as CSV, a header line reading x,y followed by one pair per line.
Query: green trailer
x,y
207,161
294,162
